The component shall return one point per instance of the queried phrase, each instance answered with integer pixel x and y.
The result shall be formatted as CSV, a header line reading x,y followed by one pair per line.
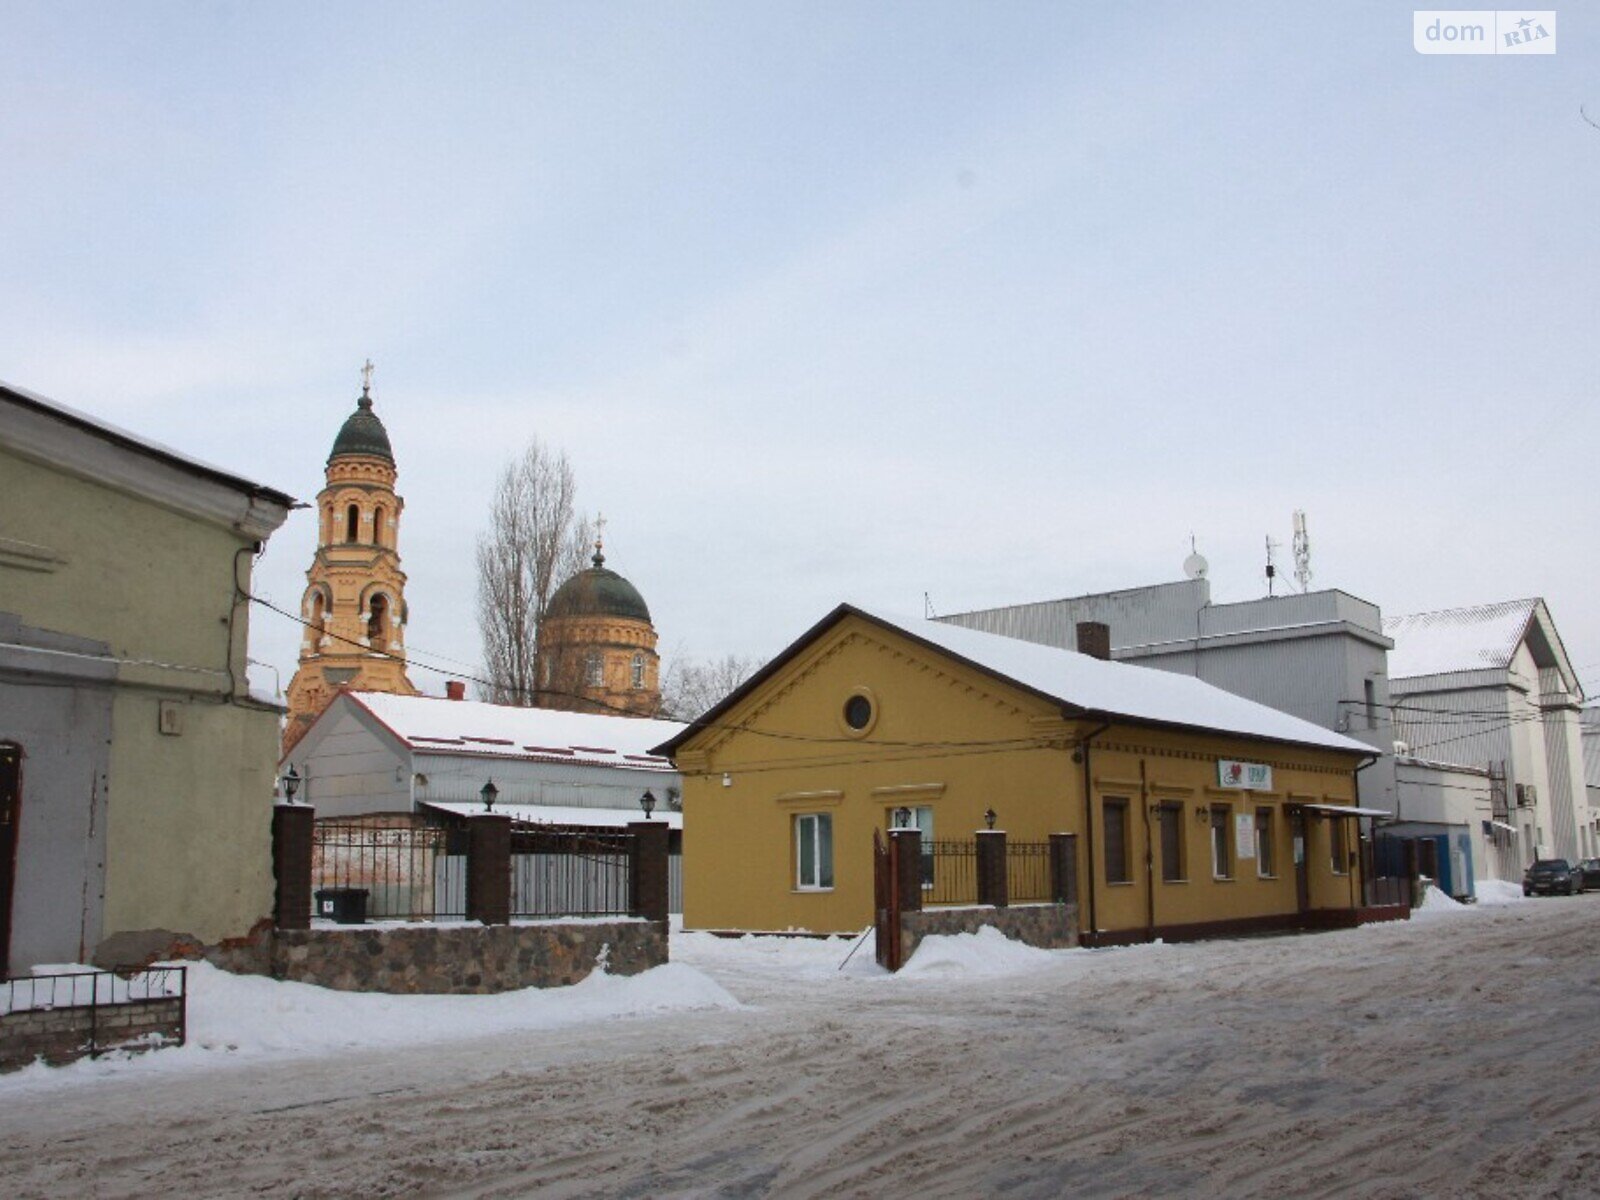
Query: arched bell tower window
x,y
638,670
378,622
352,523
377,526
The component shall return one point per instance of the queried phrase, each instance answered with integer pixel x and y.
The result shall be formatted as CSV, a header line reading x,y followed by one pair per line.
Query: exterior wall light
x,y
489,794
648,803
291,783
989,818
902,818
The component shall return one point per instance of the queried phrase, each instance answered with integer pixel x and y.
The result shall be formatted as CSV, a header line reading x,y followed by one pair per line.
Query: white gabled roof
x,y
1117,689
433,724
1480,637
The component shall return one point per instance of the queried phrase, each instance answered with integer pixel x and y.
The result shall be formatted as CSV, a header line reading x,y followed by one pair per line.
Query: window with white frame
x,y
813,846
594,671
1221,852
638,670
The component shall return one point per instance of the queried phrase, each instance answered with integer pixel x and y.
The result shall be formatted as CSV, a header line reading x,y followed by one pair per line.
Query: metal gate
x,y
886,900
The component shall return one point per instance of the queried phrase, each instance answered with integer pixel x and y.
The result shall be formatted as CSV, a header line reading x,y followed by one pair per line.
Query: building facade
x,y
1194,810
597,646
135,764
354,606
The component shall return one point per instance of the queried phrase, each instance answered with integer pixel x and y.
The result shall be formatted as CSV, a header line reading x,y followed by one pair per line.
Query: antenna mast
x,y
1302,551
1272,569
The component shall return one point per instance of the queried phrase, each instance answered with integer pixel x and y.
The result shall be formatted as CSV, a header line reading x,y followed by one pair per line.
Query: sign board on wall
x,y
1252,777
1244,834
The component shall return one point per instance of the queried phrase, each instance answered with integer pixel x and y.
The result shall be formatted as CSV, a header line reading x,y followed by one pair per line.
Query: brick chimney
x,y
455,689
1094,639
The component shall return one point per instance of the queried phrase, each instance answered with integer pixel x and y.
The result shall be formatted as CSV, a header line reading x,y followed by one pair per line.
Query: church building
x,y
354,606
597,647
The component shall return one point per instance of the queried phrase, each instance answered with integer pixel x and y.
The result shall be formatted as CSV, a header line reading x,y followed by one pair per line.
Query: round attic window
x,y
858,712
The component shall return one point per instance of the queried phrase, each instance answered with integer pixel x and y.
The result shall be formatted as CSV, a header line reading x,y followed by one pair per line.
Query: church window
x,y
377,526
593,669
319,615
352,523
378,621
638,670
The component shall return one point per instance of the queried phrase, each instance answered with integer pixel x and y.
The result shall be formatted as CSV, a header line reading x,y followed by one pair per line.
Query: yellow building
x,y
354,605
136,766
1195,811
597,647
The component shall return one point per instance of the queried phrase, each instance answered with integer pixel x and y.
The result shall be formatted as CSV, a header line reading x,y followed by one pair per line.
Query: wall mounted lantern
x,y
648,803
489,794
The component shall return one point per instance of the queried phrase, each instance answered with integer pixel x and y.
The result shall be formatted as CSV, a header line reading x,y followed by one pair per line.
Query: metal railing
x,y
563,873
105,997
408,873
1386,890
1028,873
949,872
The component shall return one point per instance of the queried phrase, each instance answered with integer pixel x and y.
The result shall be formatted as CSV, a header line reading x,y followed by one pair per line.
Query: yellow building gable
x,y
785,783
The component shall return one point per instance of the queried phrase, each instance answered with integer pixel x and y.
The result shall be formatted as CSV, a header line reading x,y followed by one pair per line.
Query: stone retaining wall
x,y
62,1035
1047,926
456,959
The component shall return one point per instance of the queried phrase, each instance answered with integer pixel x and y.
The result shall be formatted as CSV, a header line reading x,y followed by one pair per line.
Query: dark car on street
x,y
1589,872
1552,875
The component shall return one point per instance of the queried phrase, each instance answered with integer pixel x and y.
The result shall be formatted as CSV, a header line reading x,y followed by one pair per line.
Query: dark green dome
x,y
362,433
598,592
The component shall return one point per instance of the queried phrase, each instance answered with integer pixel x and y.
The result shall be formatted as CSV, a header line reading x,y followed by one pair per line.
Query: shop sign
x,y
1252,777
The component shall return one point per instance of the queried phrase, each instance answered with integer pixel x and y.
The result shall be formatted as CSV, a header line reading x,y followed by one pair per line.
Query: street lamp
x,y
989,818
648,803
488,794
902,818
291,783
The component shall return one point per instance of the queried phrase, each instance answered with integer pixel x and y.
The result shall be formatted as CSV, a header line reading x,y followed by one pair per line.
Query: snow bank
x,y
1435,903
234,1017
985,953
1498,891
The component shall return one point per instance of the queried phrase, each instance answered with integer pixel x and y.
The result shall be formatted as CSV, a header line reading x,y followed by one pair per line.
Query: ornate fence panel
x,y
949,873
408,872
562,873
1028,872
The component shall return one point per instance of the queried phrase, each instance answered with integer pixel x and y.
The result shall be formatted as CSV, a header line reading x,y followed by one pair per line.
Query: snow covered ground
x,y
1394,1060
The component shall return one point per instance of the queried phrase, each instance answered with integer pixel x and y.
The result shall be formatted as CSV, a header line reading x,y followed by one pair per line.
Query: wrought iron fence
x,y
1386,890
127,1008
91,989
408,872
1028,873
564,873
949,872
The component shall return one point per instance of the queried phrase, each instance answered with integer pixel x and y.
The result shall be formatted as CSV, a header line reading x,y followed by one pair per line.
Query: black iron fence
x,y
1028,873
566,873
949,872
66,1015
414,873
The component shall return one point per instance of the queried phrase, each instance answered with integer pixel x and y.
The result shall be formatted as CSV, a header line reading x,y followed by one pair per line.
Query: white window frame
x,y
821,826
594,670
637,668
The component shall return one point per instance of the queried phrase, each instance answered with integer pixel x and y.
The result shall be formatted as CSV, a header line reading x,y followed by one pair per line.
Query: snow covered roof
x,y
562,814
1477,638
433,724
1095,686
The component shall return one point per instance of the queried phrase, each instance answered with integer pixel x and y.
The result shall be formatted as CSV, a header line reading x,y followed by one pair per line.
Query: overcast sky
x,y
993,302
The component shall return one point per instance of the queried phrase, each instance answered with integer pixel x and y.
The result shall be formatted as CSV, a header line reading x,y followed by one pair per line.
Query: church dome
x,y
598,592
362,433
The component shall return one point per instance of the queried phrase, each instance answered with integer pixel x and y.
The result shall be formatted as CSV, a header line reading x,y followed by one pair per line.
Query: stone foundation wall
x,y
455,959
1047,926
61,1035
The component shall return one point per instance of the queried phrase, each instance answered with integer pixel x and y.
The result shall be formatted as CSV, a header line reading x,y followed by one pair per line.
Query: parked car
x,y
1551,875
1589,872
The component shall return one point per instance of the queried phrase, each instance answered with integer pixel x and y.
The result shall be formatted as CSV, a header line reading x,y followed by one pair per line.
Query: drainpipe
x,y
1088,823
1356,775
1149,856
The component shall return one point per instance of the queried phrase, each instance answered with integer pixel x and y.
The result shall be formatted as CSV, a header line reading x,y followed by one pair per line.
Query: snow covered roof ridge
x,y
1093,686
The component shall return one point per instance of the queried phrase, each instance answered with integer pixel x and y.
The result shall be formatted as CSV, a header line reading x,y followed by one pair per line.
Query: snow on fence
x,y
66,1015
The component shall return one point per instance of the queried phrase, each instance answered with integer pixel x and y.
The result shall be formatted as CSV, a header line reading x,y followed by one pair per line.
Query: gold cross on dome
x,y
366,376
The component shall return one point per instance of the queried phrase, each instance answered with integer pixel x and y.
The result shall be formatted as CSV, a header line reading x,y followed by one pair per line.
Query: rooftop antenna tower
x,y
1272,567
1302,551
927,606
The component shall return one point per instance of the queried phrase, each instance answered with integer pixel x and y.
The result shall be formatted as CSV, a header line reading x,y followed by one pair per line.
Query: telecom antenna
x,y
1302,551
1272,569
927,606
1195,566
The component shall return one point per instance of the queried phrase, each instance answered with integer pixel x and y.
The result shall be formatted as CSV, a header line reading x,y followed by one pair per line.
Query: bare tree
x,y
535,541
690,688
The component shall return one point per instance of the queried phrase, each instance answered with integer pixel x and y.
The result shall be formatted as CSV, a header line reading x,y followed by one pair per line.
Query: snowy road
x,y
1451,1055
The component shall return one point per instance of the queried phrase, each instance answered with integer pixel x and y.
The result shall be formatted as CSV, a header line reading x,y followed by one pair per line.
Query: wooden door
x,y
10,816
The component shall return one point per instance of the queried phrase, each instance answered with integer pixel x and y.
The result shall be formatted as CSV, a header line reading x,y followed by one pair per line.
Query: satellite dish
x,y
1196,566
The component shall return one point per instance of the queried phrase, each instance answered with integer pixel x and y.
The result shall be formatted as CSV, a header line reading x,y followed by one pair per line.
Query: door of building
x,y
10,815
1297,832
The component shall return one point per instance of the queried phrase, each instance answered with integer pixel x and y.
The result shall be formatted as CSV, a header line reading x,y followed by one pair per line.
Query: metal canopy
x,y
1348,810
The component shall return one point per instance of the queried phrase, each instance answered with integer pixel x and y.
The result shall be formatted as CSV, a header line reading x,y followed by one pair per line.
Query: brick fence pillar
x,y
292,827
1064,868
489,868
907,844
647,870
992,882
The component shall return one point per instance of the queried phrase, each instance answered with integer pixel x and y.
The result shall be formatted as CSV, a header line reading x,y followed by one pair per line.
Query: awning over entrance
x,y
1349,810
